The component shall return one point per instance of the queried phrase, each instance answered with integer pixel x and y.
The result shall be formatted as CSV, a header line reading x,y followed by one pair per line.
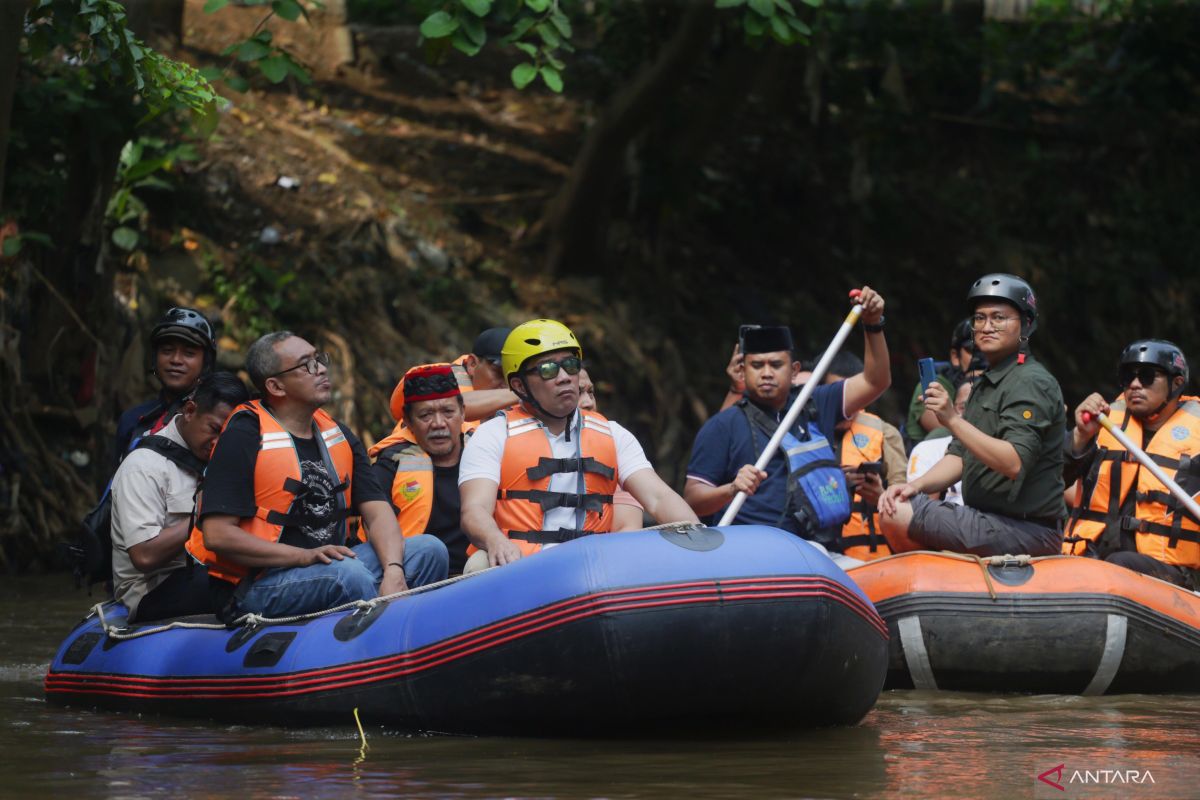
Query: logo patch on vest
x,y
410,490
861,440
1179,433
1027,414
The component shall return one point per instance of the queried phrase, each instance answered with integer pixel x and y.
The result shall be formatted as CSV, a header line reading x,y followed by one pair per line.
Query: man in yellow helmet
x,y
545,472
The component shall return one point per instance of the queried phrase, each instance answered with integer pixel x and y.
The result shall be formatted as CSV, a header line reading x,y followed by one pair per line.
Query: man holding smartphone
x,y
1007,447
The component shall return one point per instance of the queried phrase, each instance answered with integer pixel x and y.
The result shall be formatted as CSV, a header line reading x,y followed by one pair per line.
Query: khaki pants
x,y
476,563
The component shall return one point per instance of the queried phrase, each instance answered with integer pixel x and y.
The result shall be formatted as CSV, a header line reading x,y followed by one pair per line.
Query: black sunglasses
x,y
309,365
1146,374
548,370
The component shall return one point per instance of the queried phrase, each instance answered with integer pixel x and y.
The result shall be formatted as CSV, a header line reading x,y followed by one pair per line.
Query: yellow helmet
x,y
533,338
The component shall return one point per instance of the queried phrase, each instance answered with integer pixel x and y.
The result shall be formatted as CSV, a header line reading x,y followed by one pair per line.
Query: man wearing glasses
x,y
1125,515
1007,447
545,472
282,483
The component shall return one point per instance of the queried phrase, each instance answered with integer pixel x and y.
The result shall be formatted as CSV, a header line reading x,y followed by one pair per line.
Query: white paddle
x,y
1188,501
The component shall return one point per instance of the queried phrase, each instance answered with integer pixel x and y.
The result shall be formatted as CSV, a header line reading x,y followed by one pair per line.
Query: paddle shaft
x,y
789,419
1188,502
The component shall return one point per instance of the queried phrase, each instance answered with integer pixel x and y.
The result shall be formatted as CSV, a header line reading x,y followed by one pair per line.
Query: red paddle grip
x,y
1086,416
855,293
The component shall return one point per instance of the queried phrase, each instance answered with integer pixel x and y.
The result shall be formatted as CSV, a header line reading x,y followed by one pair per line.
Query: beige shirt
x,y
149,492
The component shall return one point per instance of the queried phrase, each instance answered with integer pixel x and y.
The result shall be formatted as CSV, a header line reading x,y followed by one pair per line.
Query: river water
x,y
913,744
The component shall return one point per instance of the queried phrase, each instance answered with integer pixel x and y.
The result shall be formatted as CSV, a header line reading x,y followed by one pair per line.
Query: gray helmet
x,y
1163,354
187,324
963,336
1011,289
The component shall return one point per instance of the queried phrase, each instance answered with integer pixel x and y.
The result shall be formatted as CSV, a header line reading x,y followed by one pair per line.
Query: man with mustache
x,y
1125,515
419,460
283,482
1007,447
545,472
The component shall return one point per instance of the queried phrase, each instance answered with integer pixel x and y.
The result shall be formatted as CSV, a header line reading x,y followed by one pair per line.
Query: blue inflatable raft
x,y
707,629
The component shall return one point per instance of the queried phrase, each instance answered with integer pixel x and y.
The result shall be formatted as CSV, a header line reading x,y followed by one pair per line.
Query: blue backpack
x,y
818,500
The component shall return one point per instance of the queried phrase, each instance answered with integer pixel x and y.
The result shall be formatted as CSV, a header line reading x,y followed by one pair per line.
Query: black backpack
x,y
91,555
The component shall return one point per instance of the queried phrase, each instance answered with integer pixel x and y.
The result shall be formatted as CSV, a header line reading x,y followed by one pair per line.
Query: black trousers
x,y
184,592
1139,562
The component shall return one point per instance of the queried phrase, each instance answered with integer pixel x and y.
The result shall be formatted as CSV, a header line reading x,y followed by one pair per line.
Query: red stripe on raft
x,y
391,667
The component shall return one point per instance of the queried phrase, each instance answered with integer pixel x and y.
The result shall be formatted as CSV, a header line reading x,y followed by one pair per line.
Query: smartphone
x,y
927,372
742,336
870,466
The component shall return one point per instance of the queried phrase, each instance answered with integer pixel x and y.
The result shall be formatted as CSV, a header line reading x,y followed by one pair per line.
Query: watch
x,y
876,327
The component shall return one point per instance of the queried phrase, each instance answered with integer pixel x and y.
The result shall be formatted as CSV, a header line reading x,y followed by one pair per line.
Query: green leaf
x,y
479,8
212,73
765,8
555,62
474,30
780,30
523,75
125,238
730,3
552,78
237,82
786,6
288,9
754,24
274,68
40,238
813,3
253,50
438,25
527,48
299,72
464,44
537,6
213,6
12,246
799,25
560,21
520,28
549,36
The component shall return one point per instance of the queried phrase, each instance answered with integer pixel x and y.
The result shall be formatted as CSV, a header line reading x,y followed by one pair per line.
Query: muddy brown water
x,y
913,744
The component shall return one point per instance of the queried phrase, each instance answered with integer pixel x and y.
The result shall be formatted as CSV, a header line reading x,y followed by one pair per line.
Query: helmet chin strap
x,y
531,400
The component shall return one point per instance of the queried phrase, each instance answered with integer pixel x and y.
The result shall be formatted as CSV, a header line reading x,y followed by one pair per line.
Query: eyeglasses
x,y
998,321
311,365
548,370
1145,374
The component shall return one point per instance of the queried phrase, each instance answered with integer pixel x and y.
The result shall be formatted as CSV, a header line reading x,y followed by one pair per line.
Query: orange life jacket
x,y
412,488
1163,530
277,480
526,467
863,441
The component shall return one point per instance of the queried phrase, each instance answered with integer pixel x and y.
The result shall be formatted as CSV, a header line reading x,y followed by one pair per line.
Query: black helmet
x,y
187,324
1011,289
1159,352
963,336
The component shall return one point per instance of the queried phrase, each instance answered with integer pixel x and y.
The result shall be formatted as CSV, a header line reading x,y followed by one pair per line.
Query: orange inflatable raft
x,y
1059,624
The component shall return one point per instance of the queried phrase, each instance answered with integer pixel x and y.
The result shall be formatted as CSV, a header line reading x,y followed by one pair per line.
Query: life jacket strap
x,y
551,466
870,540
549,537
549,500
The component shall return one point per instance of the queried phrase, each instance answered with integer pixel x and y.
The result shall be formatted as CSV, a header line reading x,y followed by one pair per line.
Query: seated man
x,y
922,424
419,461
183,348
627,512
1007,447
545,472
802,491
479,379
283,481
864,439
1127,516
153,495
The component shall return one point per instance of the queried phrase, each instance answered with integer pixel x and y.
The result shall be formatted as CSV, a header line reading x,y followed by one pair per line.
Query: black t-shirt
x,y
444,521
229,483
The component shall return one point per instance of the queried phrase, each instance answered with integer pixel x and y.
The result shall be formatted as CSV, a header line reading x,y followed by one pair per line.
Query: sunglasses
x,y
310,365
1145,374
548,370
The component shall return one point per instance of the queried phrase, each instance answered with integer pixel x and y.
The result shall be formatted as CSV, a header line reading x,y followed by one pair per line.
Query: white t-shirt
x,y
927,453
149,492
485,449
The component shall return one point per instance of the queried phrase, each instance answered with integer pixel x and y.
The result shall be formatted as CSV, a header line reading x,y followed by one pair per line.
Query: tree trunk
x,y
12,23
576,219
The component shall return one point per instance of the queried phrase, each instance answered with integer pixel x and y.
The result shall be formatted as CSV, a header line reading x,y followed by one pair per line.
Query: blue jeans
x,y
285,591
